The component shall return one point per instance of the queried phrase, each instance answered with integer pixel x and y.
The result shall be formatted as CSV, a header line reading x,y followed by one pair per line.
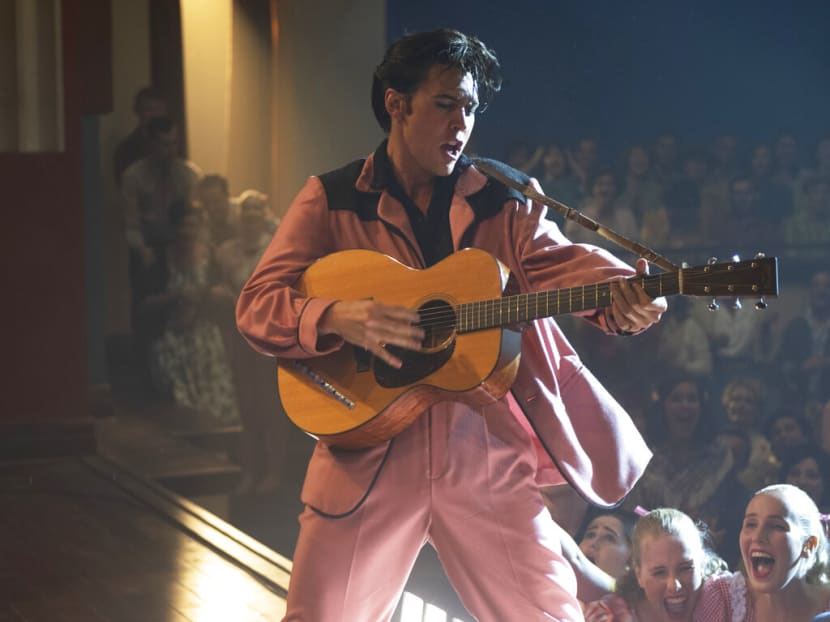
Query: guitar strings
x,y
519,304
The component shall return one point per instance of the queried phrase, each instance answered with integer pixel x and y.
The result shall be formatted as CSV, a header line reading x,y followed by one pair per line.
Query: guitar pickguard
x,y
438,344
416,366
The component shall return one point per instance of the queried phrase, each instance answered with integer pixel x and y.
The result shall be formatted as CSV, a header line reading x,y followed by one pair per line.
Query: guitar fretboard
x,y
480,315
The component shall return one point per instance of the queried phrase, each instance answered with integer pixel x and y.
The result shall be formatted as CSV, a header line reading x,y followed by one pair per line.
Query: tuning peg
x,y
761,304
685,264
712,261
759,255
713,306
736,304
736,258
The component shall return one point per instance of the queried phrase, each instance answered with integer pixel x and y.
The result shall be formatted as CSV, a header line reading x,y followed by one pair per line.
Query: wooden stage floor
x,y
83,540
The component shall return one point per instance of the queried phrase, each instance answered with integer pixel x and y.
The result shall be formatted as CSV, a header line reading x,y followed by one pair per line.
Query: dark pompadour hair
x,y
408,60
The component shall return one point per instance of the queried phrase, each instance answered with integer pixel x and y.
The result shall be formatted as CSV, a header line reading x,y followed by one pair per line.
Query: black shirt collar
x,y
432,231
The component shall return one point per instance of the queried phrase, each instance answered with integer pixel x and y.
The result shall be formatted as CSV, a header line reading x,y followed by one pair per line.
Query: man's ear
x,y
397,104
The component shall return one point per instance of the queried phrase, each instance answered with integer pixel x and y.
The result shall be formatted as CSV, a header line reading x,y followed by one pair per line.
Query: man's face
x,y
786,149
586,154
554,162
665,149
725,148
638,162
743,195
165,147
761,160
437,121
214,200
151,108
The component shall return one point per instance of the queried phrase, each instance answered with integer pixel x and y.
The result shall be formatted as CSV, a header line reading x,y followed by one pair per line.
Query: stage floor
x,y
82,539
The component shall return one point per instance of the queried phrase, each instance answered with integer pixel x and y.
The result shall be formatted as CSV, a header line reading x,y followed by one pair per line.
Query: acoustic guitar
x,y
351,399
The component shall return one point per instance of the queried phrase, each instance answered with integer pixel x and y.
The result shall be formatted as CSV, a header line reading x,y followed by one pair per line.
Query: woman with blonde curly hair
x,y
670,561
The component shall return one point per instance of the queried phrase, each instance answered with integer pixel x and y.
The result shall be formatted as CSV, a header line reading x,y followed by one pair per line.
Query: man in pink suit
x,y
466,480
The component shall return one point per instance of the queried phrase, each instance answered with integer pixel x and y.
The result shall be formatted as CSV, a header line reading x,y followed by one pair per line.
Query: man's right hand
x,y
372,326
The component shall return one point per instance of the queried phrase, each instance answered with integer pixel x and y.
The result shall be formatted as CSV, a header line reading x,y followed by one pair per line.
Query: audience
x,y
213,194
689,471
804,353
182,311
784,575
806,466
606,541
670,561
151,186
741,400
602,204
264,424
148,104
665,151
557,180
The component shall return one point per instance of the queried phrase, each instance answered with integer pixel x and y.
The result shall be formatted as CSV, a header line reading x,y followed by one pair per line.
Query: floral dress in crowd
x,y
191,363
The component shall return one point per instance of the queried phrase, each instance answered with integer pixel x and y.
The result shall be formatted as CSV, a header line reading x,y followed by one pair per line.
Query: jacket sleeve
x,y
271,314
551,261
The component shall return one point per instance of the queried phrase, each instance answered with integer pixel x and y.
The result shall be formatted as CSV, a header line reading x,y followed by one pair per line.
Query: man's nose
x,y
460,119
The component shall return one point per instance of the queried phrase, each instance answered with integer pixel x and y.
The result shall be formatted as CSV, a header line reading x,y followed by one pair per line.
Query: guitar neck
x,y
480,315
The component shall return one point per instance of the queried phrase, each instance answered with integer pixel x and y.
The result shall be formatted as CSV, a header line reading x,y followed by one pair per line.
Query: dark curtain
x,y
167,60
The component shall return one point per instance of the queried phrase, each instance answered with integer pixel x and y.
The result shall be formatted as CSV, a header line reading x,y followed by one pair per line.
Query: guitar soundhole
x,y
438,321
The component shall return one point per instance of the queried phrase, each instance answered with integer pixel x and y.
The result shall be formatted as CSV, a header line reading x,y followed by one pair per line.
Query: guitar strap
x,y
488,201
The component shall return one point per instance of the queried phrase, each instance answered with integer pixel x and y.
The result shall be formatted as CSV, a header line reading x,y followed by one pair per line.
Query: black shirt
x,y
432,231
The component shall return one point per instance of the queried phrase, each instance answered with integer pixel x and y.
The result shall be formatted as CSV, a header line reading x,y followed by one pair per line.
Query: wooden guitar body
x,y
349,398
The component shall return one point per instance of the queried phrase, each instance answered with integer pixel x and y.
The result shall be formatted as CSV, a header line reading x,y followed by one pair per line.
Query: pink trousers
x,y
464,483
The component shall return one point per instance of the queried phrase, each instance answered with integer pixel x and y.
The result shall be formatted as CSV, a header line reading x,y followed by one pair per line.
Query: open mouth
x,y
452,148
675,606
762,564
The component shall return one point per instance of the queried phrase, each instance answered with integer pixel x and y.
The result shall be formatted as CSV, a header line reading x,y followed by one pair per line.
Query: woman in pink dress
x,y
669,564
786,569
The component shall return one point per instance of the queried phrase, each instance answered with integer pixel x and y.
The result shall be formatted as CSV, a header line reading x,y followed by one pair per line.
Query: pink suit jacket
x,y
587,437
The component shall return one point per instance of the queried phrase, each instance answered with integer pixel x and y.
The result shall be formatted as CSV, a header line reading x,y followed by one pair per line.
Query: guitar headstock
x,y
751,278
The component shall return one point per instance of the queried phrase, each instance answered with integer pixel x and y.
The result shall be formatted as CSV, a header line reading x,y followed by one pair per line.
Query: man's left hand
x,y
633,309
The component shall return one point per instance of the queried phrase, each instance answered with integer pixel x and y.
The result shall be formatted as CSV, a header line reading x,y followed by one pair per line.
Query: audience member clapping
x,y
689,471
